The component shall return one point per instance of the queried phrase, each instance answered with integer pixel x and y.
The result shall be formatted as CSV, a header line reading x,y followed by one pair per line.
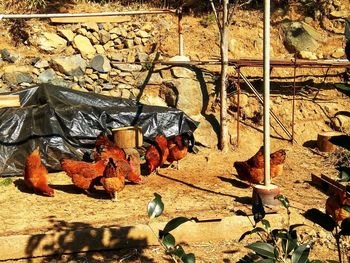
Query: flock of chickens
x,y
111,167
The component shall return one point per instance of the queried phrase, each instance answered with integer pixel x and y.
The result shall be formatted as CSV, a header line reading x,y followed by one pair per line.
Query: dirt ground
x,y
205,186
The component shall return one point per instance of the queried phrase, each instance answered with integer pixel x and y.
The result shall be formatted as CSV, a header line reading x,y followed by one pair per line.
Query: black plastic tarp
x,y
65,123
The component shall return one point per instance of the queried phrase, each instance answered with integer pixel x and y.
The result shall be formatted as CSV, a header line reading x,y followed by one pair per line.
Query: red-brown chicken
x,y
113,179
83,173
252,170
157,154
178,148
105,149
35,174
338,206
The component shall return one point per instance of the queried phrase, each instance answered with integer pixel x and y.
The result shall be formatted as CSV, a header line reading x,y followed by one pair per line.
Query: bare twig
x,y
215,14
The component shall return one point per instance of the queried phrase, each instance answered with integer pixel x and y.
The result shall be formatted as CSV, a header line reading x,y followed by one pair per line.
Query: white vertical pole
x,y
267,91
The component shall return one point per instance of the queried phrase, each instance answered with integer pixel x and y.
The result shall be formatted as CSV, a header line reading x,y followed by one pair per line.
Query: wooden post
x,y
323,143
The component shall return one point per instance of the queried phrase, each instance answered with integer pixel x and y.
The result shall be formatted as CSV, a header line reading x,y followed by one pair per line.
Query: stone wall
x,y
111,59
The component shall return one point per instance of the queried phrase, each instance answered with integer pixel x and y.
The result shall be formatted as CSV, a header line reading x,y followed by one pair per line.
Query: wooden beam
x,y
82,238
86,19
9,101
328,185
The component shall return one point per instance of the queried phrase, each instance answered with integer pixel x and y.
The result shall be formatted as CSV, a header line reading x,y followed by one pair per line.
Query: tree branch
x,y
215,14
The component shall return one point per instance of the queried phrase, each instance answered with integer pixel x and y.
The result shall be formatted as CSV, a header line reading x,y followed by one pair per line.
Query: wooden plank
x,y
85,19
80,239
9,101
327,184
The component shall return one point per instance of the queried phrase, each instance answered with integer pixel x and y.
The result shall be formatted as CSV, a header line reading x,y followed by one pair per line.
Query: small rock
x,y
116,56
67,34
147,27
92,38
340,14
144,40
131,35
307,55
116,31
125,94
114,36
101,64
103,76
17,77
78,88
91,26
137,41
127,68
338,53
142,34
47,76
129,43
82,31
308,20
108,26
89,71
51,42
181,72
72,65
105,36
141,57
42,64
84,46
99,49
94,76
62,83
141,77
108,86
9,56
108,45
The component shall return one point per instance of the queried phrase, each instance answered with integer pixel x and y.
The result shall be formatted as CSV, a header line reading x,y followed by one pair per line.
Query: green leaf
x,y
255,230
263,249
156,207
265,260
301,254
258,209
347,30
178,251
266,224
342,87
344,174
168,240
346,208
174,223
188,258
284,200
289,245
5,182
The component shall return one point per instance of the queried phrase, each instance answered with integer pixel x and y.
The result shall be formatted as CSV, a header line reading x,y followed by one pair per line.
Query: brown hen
x,y
157,154
338,206
105,149
83,173
252,170
113,179
35,174
178,148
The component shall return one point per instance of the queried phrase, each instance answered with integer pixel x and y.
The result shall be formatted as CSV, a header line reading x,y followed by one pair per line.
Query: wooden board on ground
x,y
86,19
9,101
327,184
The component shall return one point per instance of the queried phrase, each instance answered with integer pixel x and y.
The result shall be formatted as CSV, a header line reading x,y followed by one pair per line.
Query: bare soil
x,y
205,186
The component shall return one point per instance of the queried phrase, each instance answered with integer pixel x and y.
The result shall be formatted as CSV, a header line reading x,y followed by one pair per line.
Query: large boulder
x,y
190,97
300,36
72,65
51,42
14,75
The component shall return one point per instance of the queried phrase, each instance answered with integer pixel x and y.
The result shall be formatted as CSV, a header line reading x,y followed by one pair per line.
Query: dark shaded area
x,y
310,144
64,123
234,182
320,218
64,239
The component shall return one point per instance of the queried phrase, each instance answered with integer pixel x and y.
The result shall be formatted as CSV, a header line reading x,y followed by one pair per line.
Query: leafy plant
x,y
207,20
277,245
154,209
5,182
